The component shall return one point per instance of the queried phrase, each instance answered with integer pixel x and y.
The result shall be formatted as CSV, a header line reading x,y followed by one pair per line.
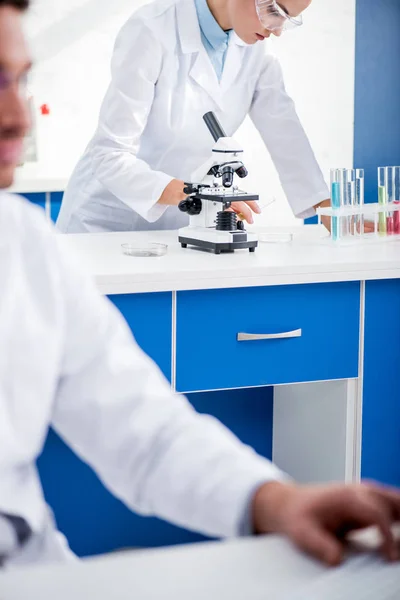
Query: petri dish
x,y
275,238
145,250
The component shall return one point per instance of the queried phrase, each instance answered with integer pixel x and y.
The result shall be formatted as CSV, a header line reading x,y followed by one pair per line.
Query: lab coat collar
x,y
188,26
202,70
233,62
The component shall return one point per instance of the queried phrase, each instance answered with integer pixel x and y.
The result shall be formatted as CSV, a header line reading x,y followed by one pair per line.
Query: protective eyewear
x,y
275,18
7,80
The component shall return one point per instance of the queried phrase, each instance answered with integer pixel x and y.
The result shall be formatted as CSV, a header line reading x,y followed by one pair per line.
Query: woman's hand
x,y
245,210
173,193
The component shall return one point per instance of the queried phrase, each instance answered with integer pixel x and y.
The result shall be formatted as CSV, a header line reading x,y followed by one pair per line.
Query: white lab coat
x,y
68,360
151,128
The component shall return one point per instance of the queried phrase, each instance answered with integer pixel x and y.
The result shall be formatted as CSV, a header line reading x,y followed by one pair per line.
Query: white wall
x,y
72,42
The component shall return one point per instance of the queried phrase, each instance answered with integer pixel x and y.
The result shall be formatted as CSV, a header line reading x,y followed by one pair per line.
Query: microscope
x,y
212,226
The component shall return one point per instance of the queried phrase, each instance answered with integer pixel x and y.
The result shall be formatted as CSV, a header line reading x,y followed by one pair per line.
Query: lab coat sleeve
x,y
136,64
147,444
274,114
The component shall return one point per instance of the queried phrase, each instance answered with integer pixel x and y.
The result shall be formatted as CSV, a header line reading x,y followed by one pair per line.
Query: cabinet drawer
x,y
150,318
308,333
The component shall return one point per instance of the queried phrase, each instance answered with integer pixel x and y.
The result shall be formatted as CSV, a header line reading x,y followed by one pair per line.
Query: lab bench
x,y
295,348
33,182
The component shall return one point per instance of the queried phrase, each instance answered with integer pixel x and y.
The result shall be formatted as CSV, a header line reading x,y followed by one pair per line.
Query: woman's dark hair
x,y
18,4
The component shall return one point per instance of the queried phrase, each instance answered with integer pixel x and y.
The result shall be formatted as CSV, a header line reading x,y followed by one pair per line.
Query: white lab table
x,y
308,259
247,569
34,178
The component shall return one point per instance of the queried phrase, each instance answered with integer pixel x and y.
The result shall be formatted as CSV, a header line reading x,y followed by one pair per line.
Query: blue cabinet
x,y
55,205
150,318
92,519
209,355
37,199
40,200
380,457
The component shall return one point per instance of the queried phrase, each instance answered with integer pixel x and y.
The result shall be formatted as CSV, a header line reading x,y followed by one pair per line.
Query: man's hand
x,y
326,221
318,518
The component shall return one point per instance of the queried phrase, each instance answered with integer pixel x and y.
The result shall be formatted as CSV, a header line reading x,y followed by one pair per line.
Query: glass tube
x,y
396,198
382,199
336,199
350,199
360,199
389,180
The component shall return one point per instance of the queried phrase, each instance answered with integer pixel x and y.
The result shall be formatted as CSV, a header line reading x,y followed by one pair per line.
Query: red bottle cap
x,y
45,109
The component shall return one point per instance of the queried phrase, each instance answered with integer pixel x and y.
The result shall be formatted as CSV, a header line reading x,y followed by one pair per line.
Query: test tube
x,y
350,199
382,199
336,199
389,180
396,198
360,199
345,201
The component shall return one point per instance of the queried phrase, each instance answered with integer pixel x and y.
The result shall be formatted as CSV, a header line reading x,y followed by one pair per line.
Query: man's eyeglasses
x,y
274,18
7,80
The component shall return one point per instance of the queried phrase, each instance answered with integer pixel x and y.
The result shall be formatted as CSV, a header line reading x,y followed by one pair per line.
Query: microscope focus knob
x,y
189,189
242,172
191,206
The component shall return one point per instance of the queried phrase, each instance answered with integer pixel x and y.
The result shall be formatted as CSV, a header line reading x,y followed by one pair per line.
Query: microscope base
x,y
218,241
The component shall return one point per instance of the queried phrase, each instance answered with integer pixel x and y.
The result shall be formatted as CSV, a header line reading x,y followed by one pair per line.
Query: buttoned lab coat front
x,y
68,360
151,128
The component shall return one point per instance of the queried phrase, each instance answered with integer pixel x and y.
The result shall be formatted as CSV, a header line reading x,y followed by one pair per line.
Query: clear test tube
x,y
360,175
389,181
350,199
336,200
382,199
345,201
396,197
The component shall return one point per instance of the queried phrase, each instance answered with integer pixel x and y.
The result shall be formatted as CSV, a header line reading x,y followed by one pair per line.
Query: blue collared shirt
x,y
214,38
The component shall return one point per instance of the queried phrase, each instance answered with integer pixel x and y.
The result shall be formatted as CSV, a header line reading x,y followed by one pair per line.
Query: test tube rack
x,y
349,222
349,214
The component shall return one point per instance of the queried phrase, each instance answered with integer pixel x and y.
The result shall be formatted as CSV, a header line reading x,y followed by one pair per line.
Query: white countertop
x,y
307,259
258,568
246,569
34,178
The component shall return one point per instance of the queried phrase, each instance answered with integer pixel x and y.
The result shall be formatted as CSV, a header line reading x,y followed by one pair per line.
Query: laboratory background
x,y
320,394
72,44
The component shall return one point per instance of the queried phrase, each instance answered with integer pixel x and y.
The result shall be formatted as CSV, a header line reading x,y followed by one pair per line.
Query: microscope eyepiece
x,y
214,126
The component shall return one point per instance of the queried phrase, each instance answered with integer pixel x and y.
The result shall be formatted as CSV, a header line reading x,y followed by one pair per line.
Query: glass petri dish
x,y
145,250
275,238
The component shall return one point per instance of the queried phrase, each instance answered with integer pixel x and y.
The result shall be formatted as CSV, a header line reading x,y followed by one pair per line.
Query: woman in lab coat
x,y
174,61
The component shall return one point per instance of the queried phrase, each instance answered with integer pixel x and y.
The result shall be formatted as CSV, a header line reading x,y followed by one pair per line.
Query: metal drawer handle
x,y
250,337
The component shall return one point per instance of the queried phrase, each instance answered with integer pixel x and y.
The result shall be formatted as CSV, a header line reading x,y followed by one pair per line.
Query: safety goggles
x,y
274,18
